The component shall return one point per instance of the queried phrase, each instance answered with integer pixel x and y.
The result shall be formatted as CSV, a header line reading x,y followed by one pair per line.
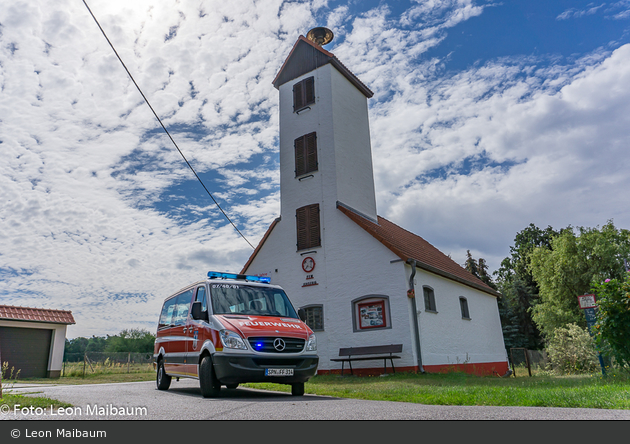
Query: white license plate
x,y
278,372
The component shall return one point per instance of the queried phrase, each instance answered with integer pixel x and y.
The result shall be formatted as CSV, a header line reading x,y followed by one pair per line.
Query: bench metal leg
x,y
342,363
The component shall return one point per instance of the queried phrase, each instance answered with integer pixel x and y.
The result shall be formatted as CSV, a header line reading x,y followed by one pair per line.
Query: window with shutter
x,y
303,93
308,233
305,154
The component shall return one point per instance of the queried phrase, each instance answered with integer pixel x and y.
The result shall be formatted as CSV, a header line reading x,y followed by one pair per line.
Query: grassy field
x,y
591,391
30,401
586,391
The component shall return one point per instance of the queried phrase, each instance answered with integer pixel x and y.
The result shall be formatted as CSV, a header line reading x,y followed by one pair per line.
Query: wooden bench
x,y
369,353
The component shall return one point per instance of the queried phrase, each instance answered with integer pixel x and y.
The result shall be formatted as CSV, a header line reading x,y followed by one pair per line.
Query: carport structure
x,y
32,340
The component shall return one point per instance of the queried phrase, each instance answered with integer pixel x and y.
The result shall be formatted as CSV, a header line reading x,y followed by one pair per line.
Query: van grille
x,y
266,344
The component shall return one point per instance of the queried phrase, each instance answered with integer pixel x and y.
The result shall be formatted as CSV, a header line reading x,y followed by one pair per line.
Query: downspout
x,y
414,311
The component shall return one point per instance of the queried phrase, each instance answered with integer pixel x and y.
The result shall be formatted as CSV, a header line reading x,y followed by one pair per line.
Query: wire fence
x,y
82,364
529,361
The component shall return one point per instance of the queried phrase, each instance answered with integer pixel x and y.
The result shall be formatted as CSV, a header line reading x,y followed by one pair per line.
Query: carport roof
x,y
13,313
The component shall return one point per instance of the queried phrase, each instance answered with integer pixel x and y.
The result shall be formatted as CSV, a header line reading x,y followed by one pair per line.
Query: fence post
x,y
128,360
529,365
84,359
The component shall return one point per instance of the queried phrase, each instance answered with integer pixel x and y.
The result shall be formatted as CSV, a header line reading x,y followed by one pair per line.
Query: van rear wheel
x,y
208,382
297,389
163,380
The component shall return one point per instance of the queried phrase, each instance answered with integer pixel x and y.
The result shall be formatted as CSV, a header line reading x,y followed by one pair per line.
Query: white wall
x,y
446,338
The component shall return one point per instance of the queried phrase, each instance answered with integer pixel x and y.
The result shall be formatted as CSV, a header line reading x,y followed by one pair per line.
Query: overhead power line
x,y
163,127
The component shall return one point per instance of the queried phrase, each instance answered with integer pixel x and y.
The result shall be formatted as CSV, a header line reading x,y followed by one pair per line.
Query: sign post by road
x,y
589,305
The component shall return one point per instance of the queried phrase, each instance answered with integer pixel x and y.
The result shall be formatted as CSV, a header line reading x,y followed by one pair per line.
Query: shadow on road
x,y
248,394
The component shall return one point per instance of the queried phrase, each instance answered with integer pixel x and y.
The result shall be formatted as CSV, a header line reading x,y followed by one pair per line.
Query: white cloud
x,y
464,160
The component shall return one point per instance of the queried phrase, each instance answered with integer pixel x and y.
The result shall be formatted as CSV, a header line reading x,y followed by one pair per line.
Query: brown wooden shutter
x,y
311,152
309,90
305,154
308,231
297,96
300,154
313,226
303,93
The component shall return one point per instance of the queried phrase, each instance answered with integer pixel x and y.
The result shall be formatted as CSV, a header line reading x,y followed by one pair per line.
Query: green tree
x,y
519,288
133,340
612,330
471,264
568,269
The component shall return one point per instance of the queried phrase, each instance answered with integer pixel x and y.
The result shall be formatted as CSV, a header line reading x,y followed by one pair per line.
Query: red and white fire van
x,y
231,329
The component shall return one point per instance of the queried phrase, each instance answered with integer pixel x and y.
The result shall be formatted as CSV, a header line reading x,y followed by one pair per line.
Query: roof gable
x,y
259,247
407,245
12,313
305,56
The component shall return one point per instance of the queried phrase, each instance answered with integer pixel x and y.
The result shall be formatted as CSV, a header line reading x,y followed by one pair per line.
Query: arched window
x,y
429,299
463,303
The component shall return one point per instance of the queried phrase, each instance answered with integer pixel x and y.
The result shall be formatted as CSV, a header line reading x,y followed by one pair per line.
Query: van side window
x,y
183,306
166,318
201,296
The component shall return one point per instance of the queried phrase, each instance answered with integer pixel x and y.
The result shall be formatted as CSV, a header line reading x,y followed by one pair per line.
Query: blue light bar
x,y
261,279
217,274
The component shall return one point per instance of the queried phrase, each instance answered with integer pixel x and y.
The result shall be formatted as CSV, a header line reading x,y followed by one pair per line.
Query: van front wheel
x,y
208,382
162,379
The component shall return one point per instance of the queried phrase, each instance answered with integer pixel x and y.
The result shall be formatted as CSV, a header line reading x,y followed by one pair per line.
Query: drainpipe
x,y
414,311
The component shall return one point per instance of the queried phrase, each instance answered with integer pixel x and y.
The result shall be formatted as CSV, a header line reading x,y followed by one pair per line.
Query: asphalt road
x,y
183,401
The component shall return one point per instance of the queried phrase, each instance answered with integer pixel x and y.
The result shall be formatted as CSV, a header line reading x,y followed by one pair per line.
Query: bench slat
x,y
365,359
370,350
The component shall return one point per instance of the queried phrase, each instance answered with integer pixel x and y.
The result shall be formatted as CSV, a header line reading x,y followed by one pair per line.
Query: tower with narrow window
x,y
353,272
325,152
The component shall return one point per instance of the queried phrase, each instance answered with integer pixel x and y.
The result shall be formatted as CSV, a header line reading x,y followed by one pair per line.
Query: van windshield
x,y
250,300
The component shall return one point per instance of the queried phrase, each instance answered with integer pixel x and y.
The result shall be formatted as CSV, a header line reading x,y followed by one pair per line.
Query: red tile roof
x,y
407,245
12,313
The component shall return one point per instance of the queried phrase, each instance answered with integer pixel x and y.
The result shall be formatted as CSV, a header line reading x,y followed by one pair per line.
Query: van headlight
x,y
231,339
311,344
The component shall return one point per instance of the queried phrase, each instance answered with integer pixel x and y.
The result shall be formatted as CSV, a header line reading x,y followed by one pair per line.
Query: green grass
x,y
30,401
612,392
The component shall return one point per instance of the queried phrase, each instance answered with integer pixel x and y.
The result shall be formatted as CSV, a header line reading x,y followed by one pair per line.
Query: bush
x,y
571,350
612,331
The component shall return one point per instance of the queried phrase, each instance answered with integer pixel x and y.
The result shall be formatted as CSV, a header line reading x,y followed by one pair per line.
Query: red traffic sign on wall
x,y
587,301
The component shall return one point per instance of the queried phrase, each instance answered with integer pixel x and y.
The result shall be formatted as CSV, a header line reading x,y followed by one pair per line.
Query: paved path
x,y
183,401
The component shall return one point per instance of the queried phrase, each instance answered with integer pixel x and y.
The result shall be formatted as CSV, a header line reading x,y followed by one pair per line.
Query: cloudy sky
x,y
487,116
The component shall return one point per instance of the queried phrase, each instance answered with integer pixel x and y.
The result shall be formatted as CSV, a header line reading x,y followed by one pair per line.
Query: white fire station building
x,y
363,280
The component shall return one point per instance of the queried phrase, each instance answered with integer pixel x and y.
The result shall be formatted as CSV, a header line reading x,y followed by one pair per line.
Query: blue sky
x,y
487,116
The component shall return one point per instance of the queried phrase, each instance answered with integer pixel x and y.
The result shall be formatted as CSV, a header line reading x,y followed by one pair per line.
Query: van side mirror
x,y
197,313
302,314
